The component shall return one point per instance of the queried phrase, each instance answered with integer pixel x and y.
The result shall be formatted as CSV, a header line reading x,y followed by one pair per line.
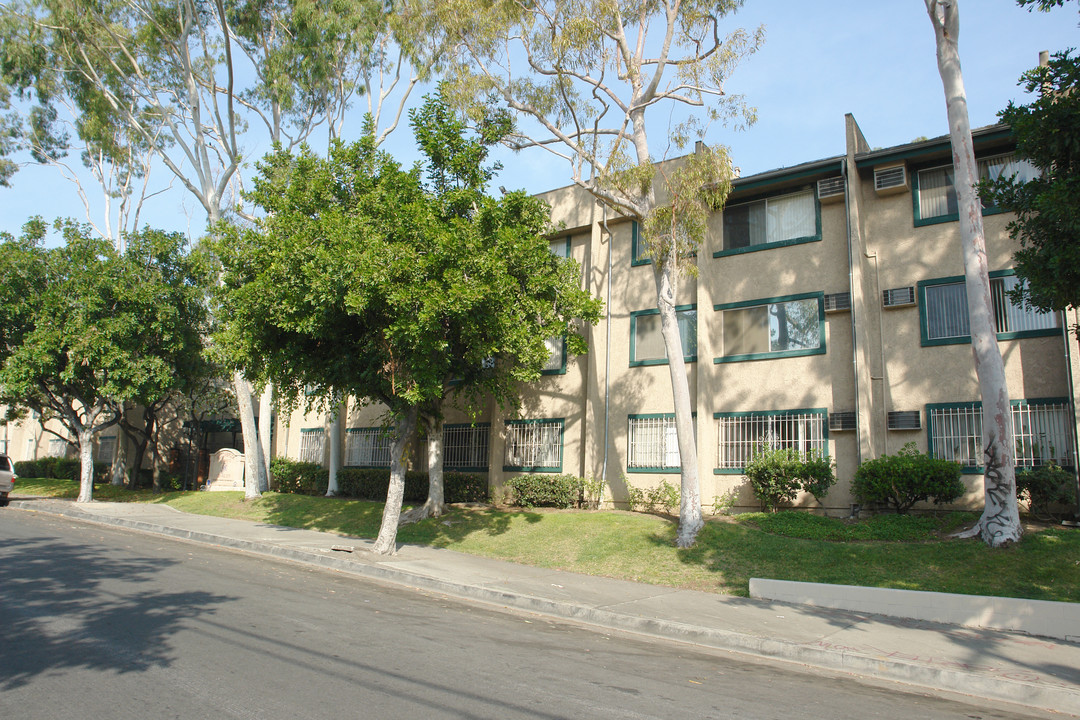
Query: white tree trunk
x,y
690,515
252,449
405,433
1000,521
86,463
336,431
266,427
120,459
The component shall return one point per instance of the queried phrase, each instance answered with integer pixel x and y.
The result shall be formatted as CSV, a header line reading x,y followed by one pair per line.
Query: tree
x,y
355,284
592,77
1047,132
1000,520
87,329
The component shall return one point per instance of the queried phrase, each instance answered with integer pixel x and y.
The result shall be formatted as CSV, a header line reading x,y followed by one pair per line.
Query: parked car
x,y
7,479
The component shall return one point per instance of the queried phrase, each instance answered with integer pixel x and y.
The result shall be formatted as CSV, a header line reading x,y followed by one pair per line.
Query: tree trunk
x,y
140,452
119,465
86,463
266,429
436,503
253,477
1000,521
336,431
690,516
386,542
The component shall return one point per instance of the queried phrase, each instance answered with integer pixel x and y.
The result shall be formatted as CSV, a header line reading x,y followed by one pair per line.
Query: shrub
x,y
373,483
664,496
594,492
778,474
1050,491
899,481
460,487
27,469
561,491
301,478
67,469
635,497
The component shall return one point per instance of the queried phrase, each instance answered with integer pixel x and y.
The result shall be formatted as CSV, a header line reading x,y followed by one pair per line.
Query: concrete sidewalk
x,y
1008,666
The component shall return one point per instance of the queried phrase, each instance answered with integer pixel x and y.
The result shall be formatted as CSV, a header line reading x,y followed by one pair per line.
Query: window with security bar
x,y
739,435
368,447
534,445
465,447
106,449
311,445
652,443
945,311
1041,433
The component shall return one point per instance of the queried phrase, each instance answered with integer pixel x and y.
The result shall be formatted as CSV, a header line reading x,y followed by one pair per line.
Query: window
x,y
534,445
647,342
311,445
465,447
781,327
935,197
560,247
106,449
368,447
57,448
944,311
1041,432
556,362
740,434
637,246
652,444
780,220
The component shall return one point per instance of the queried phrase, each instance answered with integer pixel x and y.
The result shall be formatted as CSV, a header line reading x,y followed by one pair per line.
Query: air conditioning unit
x,y
890,179
837,302
905,420
830,189
841,421
898,297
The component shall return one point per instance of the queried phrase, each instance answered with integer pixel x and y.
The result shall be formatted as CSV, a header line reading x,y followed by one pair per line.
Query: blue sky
x,y
872,58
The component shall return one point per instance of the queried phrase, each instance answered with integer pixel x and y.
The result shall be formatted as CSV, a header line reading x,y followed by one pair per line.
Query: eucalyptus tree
x,y
598,81
1000,520
87,329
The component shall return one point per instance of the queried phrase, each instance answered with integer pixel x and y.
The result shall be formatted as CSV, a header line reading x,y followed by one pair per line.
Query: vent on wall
x,y
905,420
890,179
830,188
837,302
898,297
842,421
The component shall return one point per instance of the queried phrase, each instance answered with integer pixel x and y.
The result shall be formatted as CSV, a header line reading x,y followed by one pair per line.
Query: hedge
x,y
899,481
291,476
561,491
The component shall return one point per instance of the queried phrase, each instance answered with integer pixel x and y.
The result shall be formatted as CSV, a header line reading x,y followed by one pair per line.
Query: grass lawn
x,y
912,553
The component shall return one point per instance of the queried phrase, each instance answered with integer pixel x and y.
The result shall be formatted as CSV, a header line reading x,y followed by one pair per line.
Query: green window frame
x,y
534,445
649,321
738,434
368,447
466,447
1042,432
652,445
312,445
556,363
933,186
743,322
943,313
560,247
765,214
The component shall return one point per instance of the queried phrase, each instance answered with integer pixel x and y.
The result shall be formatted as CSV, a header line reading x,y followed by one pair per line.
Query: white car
x,y
7,479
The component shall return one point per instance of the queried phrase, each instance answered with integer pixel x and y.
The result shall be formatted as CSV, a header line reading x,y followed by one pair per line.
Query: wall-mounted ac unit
x,y
830,189
898,297
837,302
890,179
841,421
905,420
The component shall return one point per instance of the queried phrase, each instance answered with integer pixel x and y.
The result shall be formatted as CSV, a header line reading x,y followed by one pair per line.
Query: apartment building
x,y
828,313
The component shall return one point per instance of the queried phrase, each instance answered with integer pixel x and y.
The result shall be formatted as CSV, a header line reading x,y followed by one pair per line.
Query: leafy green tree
x,y
86,329
597,82
361,282
1047,225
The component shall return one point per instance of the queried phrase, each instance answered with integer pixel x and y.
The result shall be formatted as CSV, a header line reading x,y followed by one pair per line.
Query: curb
x,y
1009,690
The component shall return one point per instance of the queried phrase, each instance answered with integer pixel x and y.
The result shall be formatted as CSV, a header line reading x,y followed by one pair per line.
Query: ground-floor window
x,y
740,434
311,445
106,449
368,447
1041,432
465,447
652,443
534,445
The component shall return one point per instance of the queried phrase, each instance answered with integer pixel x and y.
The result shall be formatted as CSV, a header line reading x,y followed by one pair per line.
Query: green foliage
x,y
593,489
561,491
777,475
1047,132
722,504
664,496
372,484
1050,491
293,476
899,481
635,497
27,469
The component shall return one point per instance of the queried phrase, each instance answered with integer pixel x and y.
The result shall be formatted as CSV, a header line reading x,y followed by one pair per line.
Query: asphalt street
x,y
103,623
